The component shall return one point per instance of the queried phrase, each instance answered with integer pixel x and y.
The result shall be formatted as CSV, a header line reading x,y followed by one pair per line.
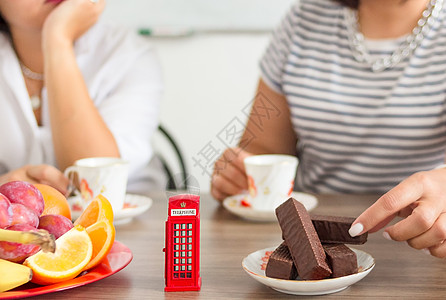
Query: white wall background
x,y
210,77
201,15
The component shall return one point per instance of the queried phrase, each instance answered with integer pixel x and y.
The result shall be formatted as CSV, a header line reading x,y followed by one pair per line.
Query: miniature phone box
x,y
182,244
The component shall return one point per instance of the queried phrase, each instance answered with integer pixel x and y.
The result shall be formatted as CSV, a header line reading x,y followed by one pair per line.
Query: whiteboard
x,y
198,15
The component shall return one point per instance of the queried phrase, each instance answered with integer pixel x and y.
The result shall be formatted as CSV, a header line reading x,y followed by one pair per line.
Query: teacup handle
x,y
68,173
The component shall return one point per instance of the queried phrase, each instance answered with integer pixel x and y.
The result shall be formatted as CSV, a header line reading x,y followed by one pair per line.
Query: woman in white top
x,y
70,88
356,89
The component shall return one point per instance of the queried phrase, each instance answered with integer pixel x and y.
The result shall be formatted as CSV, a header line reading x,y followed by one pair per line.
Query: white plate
x,y
134,206
233,204
254,264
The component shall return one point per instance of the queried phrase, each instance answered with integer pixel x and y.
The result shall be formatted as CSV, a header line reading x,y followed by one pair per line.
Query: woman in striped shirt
x,y
356,89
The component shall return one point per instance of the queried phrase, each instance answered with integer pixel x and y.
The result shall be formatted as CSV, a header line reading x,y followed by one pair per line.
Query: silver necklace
x,y
359,49
36,102
31,74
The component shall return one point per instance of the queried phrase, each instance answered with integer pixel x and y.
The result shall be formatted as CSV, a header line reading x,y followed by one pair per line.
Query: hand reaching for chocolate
x,y
421,203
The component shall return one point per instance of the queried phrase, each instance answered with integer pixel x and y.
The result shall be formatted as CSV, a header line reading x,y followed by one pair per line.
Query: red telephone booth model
x,y
182,244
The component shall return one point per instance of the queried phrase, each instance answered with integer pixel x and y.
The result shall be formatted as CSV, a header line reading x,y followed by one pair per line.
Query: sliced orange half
x,y
74,250
98,209
97,218
102,234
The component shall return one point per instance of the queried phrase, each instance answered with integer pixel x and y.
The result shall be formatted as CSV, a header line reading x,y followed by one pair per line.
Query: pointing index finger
x,y
387,206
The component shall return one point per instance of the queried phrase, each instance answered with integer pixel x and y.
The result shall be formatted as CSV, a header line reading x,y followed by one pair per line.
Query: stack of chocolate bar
x,y
314,246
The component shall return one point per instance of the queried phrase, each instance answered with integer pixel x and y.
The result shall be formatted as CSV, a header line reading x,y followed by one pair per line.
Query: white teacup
x,y
90,177
270,179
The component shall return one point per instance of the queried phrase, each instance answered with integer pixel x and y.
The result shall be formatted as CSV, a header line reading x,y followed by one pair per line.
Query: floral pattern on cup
x,y
291,188
252,186
86,192
269,177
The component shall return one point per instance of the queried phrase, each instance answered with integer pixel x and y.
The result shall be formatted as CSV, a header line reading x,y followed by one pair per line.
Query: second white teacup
x,y
270,179
90,177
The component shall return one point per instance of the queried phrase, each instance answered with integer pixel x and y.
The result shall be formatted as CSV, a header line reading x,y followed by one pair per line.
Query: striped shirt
x,y
358,131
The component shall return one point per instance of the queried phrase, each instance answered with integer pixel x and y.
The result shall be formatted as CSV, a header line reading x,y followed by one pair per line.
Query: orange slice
x,y
98,209
102,234
97,218
74,250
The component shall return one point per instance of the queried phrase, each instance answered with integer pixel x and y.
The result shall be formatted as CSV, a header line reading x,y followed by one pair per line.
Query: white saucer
x,y
254,264
233,204
134,205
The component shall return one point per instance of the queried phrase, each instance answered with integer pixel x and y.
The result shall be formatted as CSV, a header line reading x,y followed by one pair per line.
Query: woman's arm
x,y
268,130
269,124
78,130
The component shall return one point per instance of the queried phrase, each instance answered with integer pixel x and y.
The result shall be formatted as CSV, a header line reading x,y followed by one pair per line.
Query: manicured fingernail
x,y
426,251
386,235
356,229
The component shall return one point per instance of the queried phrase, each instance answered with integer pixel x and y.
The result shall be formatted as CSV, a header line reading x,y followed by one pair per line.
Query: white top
x,y
358,131
123,77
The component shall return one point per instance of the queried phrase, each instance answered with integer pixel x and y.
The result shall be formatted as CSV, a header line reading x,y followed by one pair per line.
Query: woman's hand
x,y
421,201
229,177
44,174
70,19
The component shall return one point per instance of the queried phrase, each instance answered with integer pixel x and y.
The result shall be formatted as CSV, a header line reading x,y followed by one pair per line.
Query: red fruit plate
x,y
118,258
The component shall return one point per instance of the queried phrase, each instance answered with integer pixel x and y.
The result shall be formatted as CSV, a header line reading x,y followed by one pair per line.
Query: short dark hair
x,y
350,3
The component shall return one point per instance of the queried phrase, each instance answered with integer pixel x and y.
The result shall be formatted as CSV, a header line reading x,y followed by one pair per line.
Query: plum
x,y
5,211
16,252
24,193
23,215
57,225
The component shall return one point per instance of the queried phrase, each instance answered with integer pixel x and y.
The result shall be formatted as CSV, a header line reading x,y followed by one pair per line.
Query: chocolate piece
x,y
342,260
280,264
332,229
302,240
